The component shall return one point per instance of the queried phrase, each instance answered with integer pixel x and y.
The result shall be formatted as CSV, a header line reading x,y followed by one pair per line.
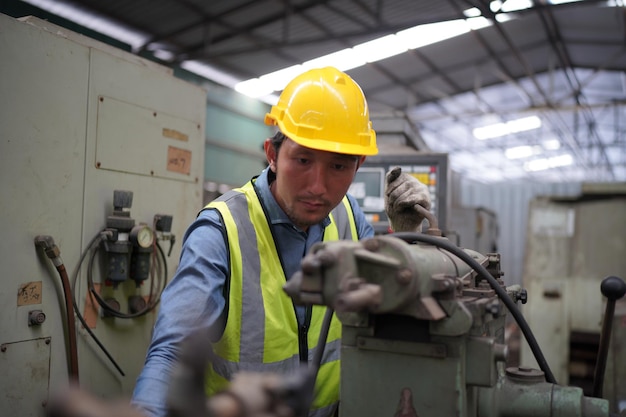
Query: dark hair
x,y
277,140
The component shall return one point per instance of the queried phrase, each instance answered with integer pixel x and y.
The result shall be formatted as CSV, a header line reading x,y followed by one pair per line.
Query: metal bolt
x,y
404,276
372,245
493,308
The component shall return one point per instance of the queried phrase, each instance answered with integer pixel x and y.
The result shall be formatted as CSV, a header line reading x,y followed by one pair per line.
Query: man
x,y
243,247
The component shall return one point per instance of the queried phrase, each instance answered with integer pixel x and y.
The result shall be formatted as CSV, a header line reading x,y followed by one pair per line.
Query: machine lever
x,y
613,288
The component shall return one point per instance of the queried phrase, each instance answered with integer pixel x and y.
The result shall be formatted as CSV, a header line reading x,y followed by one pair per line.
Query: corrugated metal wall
x,y
510,202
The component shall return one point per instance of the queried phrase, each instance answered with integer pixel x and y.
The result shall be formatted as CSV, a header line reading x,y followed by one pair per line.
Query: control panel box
x,y
368,186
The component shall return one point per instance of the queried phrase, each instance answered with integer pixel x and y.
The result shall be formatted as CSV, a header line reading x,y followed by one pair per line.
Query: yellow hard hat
x,y
325,109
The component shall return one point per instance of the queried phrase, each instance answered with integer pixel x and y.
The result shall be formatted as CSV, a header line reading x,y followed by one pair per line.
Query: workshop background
x,y
127,117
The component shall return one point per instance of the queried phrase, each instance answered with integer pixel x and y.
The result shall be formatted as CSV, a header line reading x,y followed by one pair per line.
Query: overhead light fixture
x,y
88,19
519,152
372,51
514,5
502,129
551,144
547,163
381,48
472,12
209,72
343,60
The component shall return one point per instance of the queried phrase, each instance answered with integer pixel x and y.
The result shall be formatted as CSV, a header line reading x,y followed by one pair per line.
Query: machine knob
x,y
613,288
523,296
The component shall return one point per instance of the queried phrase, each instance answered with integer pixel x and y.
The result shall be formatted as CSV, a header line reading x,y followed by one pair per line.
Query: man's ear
x,y
270,154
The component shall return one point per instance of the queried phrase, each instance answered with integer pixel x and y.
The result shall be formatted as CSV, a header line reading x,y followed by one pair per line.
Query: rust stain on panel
x,y
178,160
90,314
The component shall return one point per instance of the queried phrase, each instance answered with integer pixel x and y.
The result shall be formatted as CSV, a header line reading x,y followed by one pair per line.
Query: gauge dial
x,y
142,235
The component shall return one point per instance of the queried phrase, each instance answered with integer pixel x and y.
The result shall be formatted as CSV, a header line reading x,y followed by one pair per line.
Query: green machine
x,y
422,336
423,331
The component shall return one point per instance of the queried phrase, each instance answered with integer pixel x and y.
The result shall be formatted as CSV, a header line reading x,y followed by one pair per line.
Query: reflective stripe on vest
x,y
261,333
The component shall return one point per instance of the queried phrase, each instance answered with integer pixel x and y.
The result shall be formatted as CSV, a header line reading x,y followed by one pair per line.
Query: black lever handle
x,y
613,288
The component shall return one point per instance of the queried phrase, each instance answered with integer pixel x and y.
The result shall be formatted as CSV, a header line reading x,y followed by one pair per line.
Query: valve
x,y
119,249
163,226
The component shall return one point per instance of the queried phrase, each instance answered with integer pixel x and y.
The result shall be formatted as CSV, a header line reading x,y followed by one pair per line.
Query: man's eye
x,y
339,167
303,161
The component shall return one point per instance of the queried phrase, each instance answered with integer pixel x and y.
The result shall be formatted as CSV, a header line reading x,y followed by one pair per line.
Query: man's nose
x,y
319,179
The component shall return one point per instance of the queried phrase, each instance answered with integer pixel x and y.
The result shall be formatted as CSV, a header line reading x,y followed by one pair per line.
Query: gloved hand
x,y
402,193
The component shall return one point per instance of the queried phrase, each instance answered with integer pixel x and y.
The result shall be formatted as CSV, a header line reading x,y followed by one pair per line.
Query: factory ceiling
x,y
550,75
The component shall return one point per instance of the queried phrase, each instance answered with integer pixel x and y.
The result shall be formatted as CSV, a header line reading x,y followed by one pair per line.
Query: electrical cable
x,y
482,271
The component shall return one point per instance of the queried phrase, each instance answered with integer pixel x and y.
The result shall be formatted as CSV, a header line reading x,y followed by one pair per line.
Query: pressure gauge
x,y
142,235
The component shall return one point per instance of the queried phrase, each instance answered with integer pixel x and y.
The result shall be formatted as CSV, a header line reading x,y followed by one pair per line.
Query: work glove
x,y
403,192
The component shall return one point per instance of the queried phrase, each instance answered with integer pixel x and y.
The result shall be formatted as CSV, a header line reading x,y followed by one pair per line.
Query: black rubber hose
x,y
94,242
115,312
482,271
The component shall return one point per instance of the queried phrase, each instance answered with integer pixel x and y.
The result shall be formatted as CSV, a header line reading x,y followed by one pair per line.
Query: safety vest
x,y
262,332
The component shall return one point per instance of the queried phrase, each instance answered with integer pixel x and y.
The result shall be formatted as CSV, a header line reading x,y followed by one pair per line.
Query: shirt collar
x,y
275,213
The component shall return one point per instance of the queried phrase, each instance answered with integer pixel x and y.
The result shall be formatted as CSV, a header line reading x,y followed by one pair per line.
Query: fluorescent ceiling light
x,y
209,73
551,144
515,5
277,80
472,12
371,51
428,34
380,48
343,60
518,152
502,129
163,55
90,20
508,6
253,88
548,163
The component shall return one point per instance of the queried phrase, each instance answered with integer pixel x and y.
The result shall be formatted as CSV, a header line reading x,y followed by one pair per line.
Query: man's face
x,y
309,183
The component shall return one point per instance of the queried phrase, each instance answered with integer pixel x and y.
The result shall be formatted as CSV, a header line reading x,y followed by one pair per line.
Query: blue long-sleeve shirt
x,y
194,298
